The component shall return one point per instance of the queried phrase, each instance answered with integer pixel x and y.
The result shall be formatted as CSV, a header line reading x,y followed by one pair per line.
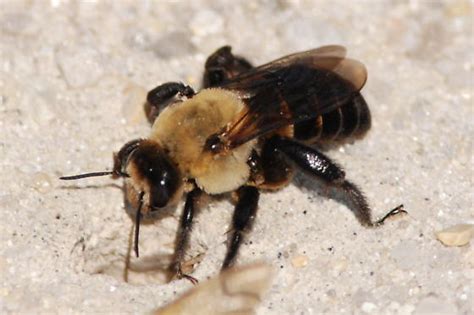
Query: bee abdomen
x,y
364,117
348,121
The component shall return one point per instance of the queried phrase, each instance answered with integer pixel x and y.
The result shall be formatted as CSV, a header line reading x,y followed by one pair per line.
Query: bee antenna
x,y
93,174
137,222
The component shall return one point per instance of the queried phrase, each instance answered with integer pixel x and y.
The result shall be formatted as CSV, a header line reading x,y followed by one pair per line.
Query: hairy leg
x,y
244,215
319,165
182,239
159,96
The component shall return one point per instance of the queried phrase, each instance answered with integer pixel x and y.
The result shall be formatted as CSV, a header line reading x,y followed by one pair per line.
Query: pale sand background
x,y
73,77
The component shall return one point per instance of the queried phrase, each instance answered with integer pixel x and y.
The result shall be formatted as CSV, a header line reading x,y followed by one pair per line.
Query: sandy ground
x,y
73,76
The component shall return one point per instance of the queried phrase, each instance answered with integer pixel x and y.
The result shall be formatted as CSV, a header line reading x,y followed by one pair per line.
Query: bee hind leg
x,y
319,165
244,215
160,96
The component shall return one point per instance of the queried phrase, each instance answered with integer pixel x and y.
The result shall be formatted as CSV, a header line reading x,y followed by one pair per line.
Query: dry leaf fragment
x,y
234,291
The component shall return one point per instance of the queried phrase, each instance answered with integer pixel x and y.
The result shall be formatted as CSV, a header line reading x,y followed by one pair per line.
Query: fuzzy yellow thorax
x,y
183,128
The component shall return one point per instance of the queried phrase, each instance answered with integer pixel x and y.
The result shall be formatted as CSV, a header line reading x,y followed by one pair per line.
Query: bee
x,y
247,130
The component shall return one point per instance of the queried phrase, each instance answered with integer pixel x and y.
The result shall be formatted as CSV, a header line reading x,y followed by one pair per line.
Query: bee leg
x,y
222,66
276,169
159,96
244,214
317,164
184,230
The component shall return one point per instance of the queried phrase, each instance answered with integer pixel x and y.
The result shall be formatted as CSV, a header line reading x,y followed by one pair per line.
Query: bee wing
x,y
307,57
245,80
292,89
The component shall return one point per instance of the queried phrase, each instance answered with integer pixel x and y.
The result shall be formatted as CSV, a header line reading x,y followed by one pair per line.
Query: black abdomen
x,y
351,120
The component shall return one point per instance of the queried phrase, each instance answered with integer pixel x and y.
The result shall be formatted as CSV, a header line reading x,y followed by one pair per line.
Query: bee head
x,y
154,180
153,176
151,173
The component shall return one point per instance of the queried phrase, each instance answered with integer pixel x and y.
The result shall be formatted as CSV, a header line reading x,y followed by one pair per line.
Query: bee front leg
x,y
244,215
319,165
159,96
182,239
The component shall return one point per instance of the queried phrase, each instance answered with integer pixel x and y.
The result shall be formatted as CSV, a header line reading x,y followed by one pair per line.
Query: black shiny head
x,y
149,165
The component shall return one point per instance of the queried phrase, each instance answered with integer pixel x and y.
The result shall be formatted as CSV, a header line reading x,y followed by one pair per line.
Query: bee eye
x,y
164,186
152,166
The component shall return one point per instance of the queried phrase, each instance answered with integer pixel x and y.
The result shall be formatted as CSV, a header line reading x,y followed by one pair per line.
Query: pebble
x,y
368,307
457,235
299,261
41,182
340,265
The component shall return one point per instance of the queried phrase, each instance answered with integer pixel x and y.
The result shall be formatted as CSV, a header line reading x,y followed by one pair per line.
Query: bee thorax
x,y
186,129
